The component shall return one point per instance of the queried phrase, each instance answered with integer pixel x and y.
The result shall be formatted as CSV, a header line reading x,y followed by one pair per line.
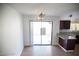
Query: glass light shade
x,y
40,16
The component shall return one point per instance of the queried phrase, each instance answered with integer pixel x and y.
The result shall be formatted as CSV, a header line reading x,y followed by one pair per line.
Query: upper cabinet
x,y
64,24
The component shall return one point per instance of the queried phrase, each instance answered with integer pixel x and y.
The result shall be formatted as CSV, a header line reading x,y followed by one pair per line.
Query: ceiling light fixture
x,y
41,16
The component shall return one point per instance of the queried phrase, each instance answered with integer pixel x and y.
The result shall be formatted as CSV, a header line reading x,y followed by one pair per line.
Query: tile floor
x,y
48,51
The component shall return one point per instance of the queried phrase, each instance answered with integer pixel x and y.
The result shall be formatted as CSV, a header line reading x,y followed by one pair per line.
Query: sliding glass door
x,y
41,32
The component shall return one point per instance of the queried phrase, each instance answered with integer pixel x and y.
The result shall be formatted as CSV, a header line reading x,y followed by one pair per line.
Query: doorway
x,y
41,33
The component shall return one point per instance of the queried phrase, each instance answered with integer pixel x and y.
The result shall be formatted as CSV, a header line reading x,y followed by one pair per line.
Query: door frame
x,y
31,40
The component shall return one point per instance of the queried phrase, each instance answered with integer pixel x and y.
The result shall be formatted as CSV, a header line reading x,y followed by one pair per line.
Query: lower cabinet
x,y
68,44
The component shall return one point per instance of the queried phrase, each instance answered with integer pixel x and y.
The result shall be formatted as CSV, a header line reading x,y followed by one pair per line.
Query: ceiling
x,y
54,9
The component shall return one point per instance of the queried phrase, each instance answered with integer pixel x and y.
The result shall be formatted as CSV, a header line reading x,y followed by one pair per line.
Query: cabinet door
x,y
65,24
61,24
63,42
71,44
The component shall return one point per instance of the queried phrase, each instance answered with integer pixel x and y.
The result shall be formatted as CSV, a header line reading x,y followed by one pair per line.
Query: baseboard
x,y
65,49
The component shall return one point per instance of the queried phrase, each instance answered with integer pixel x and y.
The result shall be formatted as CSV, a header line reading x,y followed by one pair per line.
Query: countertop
x,y
67,36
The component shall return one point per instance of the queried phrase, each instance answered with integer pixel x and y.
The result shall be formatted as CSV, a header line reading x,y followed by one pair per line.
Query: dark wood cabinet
x,y
62,43
65,24
67,44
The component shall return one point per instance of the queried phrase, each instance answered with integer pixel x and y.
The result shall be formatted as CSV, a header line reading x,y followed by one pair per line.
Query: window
x,y
77,25
74,27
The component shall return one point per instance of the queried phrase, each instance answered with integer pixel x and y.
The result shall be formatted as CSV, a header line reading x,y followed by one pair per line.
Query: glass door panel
x,y
46,38
36,32
41,32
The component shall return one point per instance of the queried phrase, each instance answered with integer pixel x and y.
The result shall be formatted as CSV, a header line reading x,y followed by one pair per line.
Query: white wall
x,y
26,31
11,34
75,16
26,25
0,29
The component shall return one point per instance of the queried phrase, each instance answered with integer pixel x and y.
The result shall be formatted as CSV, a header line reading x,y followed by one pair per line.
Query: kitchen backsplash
x,y
68,32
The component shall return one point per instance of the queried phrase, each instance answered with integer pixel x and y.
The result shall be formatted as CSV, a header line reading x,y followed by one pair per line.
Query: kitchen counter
x,y
67,42
67,37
